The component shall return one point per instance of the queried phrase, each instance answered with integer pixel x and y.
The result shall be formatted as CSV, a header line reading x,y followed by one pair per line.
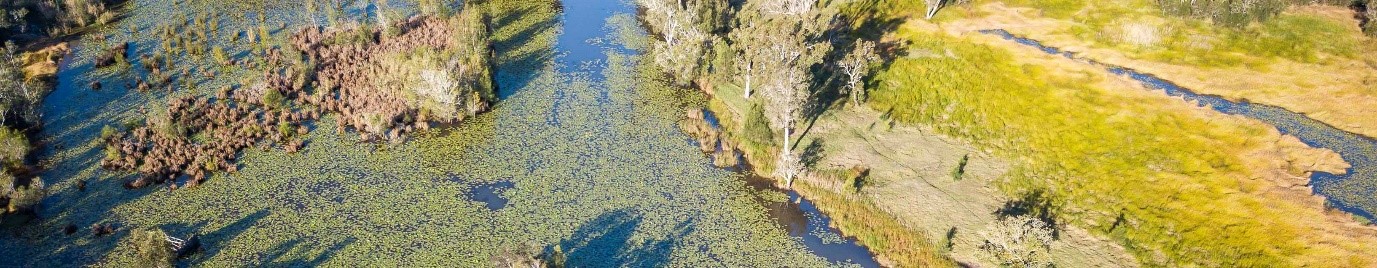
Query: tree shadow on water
x,y
213,242
608,241
518,55
274,257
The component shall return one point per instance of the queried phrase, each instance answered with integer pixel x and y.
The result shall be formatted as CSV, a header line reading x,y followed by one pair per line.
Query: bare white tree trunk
x,y
933,5
749,69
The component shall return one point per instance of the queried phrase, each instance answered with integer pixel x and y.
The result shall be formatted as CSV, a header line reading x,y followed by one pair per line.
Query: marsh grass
x,y
1077,145
1252,38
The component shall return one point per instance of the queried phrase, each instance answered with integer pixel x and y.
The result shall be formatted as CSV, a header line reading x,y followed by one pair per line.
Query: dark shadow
x,y
599,241
950,239
812,154
606,240
273,257
515,59
1033,203
212,242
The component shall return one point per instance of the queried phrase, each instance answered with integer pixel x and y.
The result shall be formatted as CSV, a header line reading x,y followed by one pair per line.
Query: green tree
x,y
855,67
152,248
1019,241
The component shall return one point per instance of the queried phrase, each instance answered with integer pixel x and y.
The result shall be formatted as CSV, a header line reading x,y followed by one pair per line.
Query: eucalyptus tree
x,y
1018,241
788,37
683,43
855,67
747,41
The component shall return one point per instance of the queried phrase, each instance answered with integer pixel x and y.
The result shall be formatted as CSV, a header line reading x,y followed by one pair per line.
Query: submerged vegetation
x,y
431,70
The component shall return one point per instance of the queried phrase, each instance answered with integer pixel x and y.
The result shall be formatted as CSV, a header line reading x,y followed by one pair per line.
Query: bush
x,y
1020,241
960,170
27,197
13,146
152,248
108,132
273,99
6,184
219,55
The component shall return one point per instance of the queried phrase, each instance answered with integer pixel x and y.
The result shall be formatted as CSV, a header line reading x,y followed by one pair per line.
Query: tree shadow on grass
x,y
812,154
1033,203
828,83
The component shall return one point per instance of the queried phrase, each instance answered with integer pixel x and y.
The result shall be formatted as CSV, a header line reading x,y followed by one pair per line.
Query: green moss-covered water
x,y
589,148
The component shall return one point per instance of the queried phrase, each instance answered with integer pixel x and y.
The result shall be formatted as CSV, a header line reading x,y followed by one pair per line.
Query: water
x,y
490,194
800,217
803,220
585,139
1354,192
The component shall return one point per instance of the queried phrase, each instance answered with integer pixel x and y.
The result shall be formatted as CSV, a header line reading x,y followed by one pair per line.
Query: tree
x,y
933,6
788,37
746,43
153,248
1021,241
856,66
683,44
787,7
26,198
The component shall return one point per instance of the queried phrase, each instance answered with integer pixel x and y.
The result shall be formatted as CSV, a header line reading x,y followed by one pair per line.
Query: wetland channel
x,y
1354,192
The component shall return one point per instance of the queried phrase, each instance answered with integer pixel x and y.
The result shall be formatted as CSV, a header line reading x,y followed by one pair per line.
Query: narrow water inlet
x,y
798,216
1354,192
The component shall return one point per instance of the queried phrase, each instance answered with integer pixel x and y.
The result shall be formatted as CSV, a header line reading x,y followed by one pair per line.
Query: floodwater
x,y
1355,191
581,155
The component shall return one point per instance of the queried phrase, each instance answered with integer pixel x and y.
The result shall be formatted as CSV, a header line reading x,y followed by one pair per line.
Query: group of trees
x,y
19,100
1242,13
777,47
36,18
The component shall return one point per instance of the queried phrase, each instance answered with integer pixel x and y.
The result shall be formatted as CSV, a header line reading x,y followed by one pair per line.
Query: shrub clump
x,y
435,70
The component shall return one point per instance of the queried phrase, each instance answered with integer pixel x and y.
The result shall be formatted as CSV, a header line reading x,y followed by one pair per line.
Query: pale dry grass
x,y
1282,161
1338,91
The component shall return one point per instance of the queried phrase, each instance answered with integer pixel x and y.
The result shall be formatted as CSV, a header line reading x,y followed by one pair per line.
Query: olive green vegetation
x,y
606,180
960,169
19,191
1088,164
152,248
1251,37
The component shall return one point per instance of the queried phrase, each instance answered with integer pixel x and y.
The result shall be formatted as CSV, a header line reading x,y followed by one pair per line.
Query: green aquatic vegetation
x,y
599,171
